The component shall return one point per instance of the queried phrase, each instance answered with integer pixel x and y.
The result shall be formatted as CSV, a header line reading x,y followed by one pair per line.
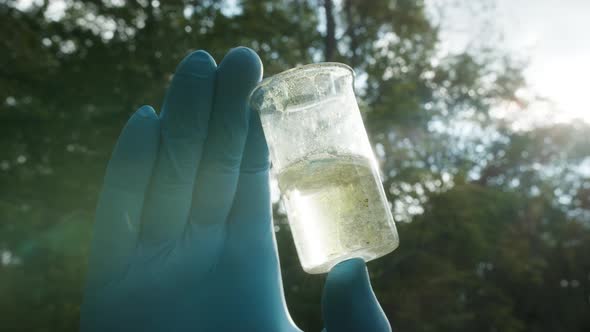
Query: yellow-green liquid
x,y
337,210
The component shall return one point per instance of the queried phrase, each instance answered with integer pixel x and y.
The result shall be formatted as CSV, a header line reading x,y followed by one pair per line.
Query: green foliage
x,y
494,224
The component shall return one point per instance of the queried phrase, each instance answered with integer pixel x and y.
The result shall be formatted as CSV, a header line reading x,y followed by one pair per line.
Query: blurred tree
x,y
494,223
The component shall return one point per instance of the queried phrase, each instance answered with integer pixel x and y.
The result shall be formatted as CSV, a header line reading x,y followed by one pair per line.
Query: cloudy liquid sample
x,y
324,165
337,210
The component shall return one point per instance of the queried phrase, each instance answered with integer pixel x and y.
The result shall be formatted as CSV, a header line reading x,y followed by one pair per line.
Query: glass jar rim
x,y
280,78
296,70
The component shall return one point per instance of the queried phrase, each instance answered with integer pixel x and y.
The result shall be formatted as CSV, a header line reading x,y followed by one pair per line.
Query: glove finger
x,y
250,235
250,245
348,301
250,229
120,203
217,177
184,120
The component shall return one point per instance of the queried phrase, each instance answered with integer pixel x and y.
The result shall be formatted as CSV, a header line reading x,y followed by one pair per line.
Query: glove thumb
x,y
348,301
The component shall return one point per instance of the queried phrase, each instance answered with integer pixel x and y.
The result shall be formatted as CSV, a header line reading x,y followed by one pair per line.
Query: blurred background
x,y
477,111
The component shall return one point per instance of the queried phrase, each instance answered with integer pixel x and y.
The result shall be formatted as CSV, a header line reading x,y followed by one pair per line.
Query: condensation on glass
x,y
325,166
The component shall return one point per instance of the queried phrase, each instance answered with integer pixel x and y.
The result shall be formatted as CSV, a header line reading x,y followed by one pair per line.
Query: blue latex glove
x,y
183,239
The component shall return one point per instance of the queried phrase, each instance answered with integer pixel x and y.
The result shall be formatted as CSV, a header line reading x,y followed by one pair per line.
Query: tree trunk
x,y
330,41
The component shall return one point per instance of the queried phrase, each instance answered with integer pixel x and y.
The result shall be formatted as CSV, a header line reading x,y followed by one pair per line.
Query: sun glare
x,y
562,79
557,53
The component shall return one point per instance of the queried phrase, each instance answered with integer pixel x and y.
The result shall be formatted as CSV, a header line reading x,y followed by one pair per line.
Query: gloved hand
x,y
183,239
